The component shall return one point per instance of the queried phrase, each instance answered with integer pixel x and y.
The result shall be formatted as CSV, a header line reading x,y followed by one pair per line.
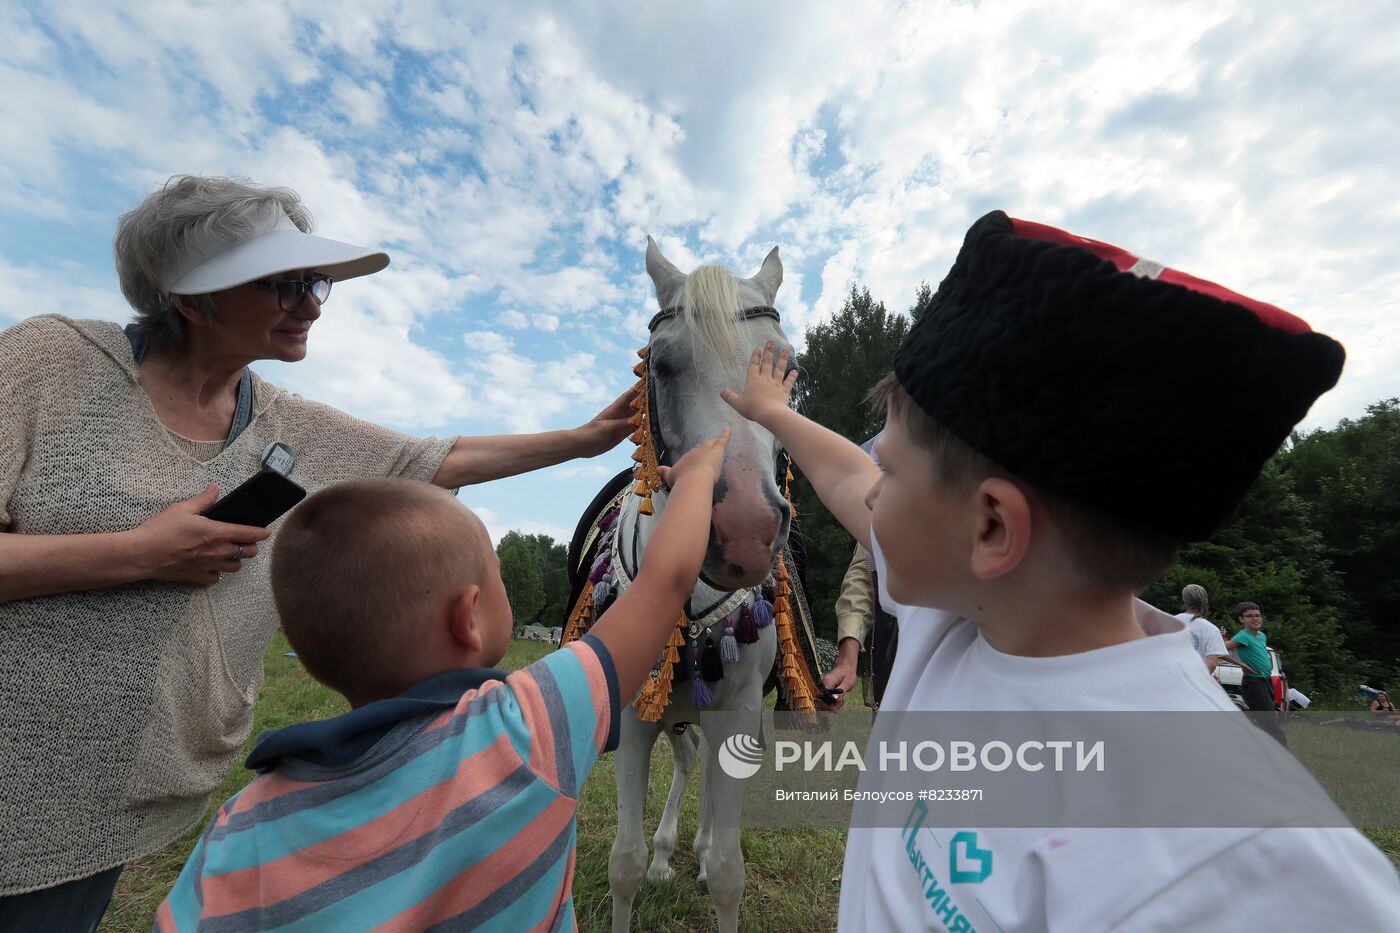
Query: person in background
x,y
1205,636
862,625
132,628
1252,648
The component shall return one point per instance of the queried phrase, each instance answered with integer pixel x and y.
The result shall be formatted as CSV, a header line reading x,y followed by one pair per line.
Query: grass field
x,y
793,875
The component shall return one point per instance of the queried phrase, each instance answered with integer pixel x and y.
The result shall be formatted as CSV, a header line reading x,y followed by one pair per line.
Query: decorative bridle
x,y
658,440
754,610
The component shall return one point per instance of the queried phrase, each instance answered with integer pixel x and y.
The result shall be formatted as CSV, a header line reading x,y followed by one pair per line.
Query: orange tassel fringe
x,y
581,618
794,678
656,692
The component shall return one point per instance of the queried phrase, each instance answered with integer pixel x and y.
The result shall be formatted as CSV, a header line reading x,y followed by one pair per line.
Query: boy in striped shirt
x,y
447,796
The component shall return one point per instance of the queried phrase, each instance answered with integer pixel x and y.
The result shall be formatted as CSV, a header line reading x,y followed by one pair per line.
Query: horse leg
x,y
664,842
632,762
703,821
722,858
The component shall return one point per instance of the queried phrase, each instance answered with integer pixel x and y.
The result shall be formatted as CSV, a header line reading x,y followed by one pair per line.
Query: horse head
x,y
709,324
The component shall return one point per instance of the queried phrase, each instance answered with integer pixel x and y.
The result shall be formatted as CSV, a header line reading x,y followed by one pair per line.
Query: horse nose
x,y
742,547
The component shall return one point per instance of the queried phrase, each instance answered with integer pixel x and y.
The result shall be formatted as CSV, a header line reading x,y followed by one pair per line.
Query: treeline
x,y
534,570
1316,543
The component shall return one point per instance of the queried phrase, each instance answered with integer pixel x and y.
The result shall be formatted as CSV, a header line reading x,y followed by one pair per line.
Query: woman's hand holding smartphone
x,y
201,539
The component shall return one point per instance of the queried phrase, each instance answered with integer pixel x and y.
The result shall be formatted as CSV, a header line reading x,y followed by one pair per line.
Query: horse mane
x,y
711,302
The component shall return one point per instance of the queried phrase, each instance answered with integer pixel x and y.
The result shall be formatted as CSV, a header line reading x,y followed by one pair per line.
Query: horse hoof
x,y
661,874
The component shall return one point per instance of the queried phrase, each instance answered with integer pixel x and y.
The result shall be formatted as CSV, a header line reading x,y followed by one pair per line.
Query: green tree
x,y
534,569
1350,476
1270,553
520,571
553,561
845,357
923,297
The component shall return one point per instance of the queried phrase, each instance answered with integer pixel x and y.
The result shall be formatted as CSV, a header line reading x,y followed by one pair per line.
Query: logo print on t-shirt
x,y
968,864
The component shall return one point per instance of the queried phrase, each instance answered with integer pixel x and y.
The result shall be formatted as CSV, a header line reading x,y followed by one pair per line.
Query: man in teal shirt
x,y
1251,645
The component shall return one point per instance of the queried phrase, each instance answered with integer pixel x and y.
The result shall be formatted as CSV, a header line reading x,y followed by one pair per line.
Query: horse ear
x,y
666,277
769,276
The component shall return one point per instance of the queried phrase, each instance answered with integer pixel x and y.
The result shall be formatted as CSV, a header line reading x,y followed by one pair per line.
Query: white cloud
x,y
583,469
527,395
65,288
570,289
485,341
523,154
372,369
497,526
362,104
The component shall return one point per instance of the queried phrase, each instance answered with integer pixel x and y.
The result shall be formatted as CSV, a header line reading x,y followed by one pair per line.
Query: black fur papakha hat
x,y
1141,392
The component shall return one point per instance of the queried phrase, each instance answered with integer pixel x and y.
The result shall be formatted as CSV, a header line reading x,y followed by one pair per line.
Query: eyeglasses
x,y
290,292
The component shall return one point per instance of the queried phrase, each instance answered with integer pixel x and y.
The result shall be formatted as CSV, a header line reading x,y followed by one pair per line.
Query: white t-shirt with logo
x,y
1084,880
1205,637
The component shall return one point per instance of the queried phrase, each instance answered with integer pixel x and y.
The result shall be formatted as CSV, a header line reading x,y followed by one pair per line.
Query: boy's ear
x,y
1003,528
462,622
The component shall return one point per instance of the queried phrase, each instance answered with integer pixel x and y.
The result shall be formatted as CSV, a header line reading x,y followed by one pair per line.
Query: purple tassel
x,y
700,693
601,565
608,518
728,647
762,613
746,631
603,591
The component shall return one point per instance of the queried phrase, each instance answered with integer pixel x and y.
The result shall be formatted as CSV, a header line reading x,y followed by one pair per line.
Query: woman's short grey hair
x,y
1194,598
207,214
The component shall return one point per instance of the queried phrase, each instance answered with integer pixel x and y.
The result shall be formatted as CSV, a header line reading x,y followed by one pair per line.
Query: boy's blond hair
x,y
360,567
1106,552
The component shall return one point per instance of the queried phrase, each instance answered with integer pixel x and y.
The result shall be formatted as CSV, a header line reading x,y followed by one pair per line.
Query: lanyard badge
x,y
278,457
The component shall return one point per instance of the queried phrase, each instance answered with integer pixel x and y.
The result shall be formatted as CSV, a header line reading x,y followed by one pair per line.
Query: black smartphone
x,y
831,694
260,500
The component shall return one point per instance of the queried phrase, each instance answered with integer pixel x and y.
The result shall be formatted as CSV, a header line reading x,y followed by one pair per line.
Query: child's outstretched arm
x,y
839,471
635,629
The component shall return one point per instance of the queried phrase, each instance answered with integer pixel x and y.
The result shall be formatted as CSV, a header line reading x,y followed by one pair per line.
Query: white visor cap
x,y
281,248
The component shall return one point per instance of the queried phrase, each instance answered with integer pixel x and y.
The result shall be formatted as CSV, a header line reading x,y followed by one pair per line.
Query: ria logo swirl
x,y
741,756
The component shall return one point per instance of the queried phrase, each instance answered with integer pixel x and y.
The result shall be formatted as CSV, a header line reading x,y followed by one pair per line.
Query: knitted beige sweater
x,y
121,709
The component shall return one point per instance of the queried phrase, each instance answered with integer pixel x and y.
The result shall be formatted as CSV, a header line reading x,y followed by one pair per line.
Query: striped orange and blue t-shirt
x,y
450,806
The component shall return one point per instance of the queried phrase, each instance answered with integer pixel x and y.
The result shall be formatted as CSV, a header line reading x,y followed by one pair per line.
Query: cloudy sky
x,y
512,160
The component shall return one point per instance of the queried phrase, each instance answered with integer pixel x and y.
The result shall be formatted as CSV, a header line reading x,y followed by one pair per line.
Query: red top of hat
x,y
1126,262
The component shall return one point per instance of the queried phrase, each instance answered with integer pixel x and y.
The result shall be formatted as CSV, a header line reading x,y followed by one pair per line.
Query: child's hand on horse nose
x,y
767,385
703,458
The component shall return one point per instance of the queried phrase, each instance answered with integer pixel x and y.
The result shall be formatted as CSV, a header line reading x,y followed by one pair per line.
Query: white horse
x,y
710,321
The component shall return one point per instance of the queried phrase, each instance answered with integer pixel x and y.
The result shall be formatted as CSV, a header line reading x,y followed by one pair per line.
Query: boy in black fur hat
x,y
1030,483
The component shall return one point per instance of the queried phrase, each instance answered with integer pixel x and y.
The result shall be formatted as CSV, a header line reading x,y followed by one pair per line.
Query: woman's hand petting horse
x,y
607,429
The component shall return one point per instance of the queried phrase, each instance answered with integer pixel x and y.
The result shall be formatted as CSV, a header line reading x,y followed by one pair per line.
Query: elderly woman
x,y
132,628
